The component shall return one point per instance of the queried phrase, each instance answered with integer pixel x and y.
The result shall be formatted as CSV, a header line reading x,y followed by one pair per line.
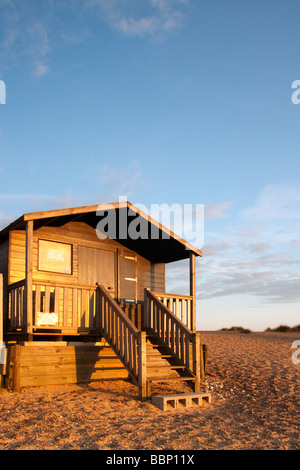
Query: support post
x,y
193,289
28,274
142,366
196,359
203,359
2,348
1,310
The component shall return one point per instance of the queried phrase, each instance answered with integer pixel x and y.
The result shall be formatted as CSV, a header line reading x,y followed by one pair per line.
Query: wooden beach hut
x,y
76,307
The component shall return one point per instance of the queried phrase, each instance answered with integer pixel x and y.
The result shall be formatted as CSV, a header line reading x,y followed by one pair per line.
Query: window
x,y
55,257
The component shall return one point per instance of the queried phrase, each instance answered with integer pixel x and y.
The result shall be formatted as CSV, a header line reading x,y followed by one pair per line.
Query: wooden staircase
x,y
165,351
162,365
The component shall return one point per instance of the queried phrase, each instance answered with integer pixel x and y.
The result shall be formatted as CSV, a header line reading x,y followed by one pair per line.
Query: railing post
x,y
142,378
196,360
1,310
146,322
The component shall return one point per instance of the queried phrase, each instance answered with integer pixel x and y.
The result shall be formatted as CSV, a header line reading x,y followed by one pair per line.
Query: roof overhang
x,y
151,240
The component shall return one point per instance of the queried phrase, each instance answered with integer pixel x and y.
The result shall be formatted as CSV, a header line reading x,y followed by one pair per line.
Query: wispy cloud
x,y
217,211
13,205
276,202
38,47
131,19
225,277
33,31
40,69
107,187
120,182
24,34
258,255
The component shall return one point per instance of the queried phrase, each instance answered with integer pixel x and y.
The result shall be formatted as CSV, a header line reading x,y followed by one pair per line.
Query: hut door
x,y
127,276
96,265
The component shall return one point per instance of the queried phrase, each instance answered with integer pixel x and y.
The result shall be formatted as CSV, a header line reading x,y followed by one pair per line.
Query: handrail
x,y
166,311
120,333
173,332
16,284
174,296
63,284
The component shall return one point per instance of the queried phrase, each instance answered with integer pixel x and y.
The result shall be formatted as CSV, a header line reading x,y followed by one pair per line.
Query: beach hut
x,y
83,299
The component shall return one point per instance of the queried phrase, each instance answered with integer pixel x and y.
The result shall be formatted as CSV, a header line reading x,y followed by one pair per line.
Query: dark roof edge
x,y
13,225
21,221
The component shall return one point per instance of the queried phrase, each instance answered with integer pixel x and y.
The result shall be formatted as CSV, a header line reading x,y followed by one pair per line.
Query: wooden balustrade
x,y
175,334
120,332
16,303
73,305
180,306
54,305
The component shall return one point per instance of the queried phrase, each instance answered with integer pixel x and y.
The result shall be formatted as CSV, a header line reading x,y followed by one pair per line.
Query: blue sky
x,y
165,101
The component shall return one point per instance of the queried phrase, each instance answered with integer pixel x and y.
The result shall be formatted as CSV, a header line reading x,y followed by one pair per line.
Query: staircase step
x,y
162,365
155,357
158,359
167,378
155,354
166,366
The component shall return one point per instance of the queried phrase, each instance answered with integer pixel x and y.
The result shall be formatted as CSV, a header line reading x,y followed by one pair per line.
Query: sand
x,y
255,390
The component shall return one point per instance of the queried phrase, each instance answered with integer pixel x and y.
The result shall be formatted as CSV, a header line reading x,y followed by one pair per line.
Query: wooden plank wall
x,y
4,270
78,234
35,365
16,266
149,275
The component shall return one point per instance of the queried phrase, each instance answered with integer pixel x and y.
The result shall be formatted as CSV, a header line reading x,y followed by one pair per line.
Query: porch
x,y
163,349
61,309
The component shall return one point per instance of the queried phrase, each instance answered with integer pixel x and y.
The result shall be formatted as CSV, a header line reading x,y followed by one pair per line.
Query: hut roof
x,y
164,247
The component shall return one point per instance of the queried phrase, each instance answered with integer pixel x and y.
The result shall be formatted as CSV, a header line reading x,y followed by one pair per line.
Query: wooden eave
x,y
160,250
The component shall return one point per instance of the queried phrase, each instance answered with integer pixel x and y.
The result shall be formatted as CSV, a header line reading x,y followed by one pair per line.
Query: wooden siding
x,y
16,256
78,234
32,365
97,264
4,270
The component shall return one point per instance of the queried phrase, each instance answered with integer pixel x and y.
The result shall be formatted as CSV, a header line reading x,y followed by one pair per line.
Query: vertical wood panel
x,y
1,309
56,300
29,272
74,309
65,308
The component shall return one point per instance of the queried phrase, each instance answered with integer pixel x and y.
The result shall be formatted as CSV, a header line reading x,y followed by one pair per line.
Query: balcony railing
x,y
16,305
180,306
71,308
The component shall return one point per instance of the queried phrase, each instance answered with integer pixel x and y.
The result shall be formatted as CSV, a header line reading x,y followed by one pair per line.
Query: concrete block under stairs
x,y
184,400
